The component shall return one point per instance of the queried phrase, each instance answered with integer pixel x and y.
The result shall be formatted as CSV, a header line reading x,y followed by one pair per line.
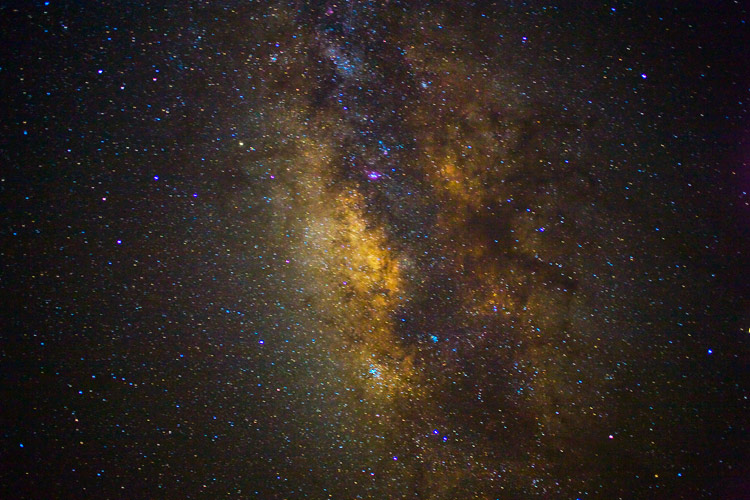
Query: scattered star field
x,y
354,249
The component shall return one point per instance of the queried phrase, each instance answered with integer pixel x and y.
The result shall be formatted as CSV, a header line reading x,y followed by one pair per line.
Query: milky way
x,y
362,249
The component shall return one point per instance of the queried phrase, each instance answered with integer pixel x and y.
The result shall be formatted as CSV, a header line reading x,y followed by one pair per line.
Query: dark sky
x,y
349,249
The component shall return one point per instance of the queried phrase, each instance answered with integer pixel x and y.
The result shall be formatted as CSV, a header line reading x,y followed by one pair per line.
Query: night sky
x,y
354,249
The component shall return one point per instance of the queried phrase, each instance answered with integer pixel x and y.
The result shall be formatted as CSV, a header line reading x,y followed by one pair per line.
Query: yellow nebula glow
x,y
354,274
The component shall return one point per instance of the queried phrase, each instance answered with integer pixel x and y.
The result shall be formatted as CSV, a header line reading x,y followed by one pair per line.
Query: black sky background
x,y
134,236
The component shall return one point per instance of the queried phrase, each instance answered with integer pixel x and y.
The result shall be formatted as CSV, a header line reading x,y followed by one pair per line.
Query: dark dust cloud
x,y
356,249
